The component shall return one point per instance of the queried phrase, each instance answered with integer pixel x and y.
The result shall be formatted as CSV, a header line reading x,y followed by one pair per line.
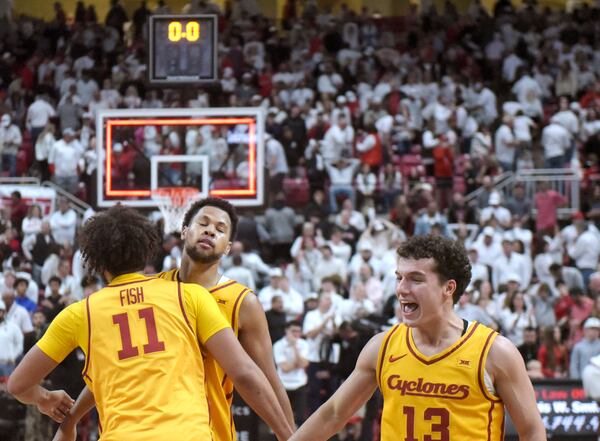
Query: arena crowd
x,y
377,129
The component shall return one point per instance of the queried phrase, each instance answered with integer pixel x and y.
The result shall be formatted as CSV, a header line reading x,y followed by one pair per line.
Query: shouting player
x,y
441,377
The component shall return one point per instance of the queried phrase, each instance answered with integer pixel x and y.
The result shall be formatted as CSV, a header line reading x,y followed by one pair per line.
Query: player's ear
x,y
228,249
450,287
183,232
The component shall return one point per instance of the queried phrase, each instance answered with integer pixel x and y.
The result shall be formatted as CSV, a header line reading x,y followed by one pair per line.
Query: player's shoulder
x,y
369,356
504,357
227,287
171,275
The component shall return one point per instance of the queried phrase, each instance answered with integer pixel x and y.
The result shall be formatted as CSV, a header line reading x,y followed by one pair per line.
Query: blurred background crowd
x,y
461,124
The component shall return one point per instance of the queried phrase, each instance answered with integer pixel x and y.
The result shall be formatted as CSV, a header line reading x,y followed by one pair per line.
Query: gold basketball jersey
x,y
139,330
438,398
229,296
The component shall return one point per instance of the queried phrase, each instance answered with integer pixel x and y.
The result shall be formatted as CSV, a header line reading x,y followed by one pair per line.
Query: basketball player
x,y
140,336
209,226
441,378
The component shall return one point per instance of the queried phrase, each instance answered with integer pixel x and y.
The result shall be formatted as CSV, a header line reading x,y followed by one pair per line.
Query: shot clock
x,y
182,49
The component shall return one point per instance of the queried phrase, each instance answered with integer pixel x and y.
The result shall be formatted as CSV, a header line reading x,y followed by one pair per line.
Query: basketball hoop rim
x,y
176,196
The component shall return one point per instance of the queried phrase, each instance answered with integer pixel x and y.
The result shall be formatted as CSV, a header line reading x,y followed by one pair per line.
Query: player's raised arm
x,y
249,381
255,339
332,416
513,385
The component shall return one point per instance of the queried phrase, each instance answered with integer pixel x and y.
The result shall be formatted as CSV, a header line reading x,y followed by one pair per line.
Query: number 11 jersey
x,y
144,365
439,398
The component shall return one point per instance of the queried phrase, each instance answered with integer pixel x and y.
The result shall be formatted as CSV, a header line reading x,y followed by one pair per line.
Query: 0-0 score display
x,y
176,31
182,49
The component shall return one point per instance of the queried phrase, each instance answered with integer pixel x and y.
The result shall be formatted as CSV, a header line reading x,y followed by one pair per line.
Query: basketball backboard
x,y
185,143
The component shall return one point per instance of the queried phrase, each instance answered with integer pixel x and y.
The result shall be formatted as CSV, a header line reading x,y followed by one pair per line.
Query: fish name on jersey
x,y
421,387
131,296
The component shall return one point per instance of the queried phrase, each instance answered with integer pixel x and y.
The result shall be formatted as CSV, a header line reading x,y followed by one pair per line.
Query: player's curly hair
x,y
450,257
119,240
219,203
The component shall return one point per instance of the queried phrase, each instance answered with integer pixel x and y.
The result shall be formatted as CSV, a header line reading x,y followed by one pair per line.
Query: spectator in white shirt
x,y
318,324
11,343
364,255
485,104
509,262
341,175
38,115
358,306
478,270
64,161
10,142
266,294
16,313
250,260
328,265
366,184
505,144
488,246
556,141
585,251
63,223
529,94
84,63
86,88
339,139
240,273
290,354
339,248
496,211
329,82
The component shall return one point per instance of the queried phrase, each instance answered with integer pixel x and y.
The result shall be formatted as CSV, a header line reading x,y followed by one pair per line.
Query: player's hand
x,y
56,404
66,433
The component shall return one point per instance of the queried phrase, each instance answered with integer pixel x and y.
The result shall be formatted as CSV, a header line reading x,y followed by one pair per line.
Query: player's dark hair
x,y
219,203
449,256
119,240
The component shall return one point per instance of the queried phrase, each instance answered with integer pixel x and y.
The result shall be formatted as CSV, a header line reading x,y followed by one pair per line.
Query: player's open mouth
x,y
409,307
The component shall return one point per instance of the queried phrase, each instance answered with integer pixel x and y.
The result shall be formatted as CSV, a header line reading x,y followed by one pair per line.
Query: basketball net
x,y
173,203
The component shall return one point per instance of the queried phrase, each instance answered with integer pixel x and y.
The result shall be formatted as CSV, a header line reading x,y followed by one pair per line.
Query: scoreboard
x,y
182,49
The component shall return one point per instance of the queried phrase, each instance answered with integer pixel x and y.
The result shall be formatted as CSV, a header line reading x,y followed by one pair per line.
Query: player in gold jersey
x,y
141,337
442,378
209,226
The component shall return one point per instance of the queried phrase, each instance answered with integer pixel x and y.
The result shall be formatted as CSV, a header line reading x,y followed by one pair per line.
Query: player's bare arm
x,y
24,385
255,339
508,372
332,416
249,381
68,428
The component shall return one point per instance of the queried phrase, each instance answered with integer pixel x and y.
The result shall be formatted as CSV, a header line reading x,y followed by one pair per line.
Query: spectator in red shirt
x,y
18,210
578,313
553,354
443,165
592,97
563,304
547,201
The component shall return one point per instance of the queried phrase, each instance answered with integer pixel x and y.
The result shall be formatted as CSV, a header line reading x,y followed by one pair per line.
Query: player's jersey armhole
x,y
482,374
235,313
88,349
182,305
382,352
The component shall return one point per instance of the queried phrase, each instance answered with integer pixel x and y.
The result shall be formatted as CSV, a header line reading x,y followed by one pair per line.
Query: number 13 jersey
x,y
439,398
